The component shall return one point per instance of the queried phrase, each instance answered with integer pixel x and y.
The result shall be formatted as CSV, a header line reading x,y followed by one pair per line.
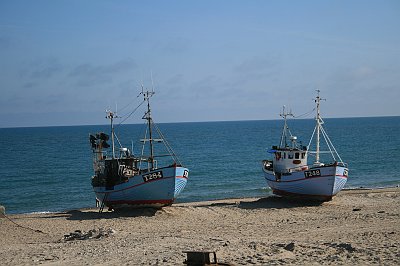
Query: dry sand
x,y
356,227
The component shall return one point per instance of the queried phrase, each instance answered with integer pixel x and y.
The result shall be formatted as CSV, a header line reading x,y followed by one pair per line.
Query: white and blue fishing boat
x,y
289,174
125,179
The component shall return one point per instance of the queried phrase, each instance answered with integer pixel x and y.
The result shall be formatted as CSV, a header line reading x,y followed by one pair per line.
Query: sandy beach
x,y
356,227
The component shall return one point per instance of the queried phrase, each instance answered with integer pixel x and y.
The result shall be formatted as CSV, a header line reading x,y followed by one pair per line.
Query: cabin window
x,y
303,155
290,156
297,155
284,155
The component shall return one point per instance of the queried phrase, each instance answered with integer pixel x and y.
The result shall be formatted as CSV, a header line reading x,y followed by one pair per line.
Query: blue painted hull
x,y
328,183
156,188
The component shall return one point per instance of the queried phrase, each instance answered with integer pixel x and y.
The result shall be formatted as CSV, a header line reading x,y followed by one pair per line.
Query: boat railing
x,y
328,164
148,161
298,168
343,164
309,166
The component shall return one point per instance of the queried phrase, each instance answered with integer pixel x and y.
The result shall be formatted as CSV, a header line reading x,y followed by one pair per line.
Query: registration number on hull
x,y
312,173
152,176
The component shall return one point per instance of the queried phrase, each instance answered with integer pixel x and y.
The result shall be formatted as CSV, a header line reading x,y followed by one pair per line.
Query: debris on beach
x,y
91,234
342,246
2,211
289,247
199,258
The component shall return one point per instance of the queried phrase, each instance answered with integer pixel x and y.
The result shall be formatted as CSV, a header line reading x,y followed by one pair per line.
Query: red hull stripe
x,y
112,191
140,202
342,176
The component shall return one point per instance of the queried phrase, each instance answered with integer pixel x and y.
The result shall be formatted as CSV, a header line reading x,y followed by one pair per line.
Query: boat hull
x,y
320,183
156,188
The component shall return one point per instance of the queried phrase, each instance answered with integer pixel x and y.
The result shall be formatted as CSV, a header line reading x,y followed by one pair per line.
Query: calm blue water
x,y
49,169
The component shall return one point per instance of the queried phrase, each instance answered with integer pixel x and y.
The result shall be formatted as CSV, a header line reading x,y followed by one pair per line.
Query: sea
x,y
49,169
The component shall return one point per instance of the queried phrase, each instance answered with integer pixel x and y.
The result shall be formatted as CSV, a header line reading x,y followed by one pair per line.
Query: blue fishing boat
x,y
123,179
289,174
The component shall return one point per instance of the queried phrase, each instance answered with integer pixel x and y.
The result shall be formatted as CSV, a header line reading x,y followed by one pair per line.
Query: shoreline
x,y
359,226
175,203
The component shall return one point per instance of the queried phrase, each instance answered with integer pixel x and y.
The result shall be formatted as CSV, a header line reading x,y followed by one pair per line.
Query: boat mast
x,y
318,125
147,116
111,116
285,127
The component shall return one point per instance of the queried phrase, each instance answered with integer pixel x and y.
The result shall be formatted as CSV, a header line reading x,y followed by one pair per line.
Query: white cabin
x,y
287,160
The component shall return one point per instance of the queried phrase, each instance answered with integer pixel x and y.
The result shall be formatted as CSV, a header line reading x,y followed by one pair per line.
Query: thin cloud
x,y
88,74
90,70
255,64
42,68
47,70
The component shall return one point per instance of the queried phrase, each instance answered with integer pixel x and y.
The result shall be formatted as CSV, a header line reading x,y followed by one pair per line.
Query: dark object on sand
x,y
200,258
289,247
91,234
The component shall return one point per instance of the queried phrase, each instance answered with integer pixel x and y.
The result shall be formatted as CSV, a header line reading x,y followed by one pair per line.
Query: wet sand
x,y
357,227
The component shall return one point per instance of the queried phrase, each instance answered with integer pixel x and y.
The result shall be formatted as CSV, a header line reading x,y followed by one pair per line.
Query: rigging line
x,y
134,110
115,135
172,152
167,145
323,130
284,135
290,132
128,104
312,136
305,114
327,142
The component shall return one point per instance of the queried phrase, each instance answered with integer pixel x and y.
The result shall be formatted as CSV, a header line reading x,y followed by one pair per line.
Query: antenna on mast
x,y
284,114
152,82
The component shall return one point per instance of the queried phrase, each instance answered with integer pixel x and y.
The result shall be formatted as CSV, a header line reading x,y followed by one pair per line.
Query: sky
x,y
66,62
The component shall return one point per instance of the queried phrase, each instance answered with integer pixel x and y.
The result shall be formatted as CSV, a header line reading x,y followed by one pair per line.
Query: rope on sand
x,y
25,227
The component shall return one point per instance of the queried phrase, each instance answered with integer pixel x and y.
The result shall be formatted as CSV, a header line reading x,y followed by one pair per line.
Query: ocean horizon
x,y
185,122
49,169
